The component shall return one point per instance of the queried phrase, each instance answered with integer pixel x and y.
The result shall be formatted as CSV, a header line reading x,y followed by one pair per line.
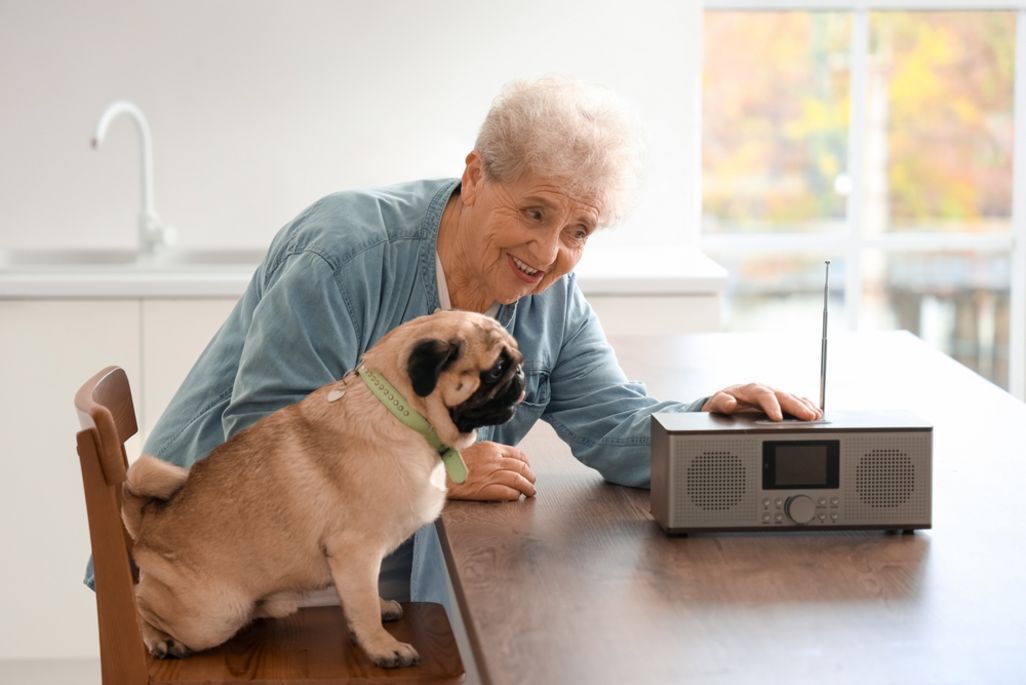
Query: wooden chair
x,y
311,646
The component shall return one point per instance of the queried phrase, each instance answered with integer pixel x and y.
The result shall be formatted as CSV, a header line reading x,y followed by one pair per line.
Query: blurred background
x,y
882,139
779,133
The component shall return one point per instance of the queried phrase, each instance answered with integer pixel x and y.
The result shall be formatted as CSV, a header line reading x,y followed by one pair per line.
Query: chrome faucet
x,y
153,233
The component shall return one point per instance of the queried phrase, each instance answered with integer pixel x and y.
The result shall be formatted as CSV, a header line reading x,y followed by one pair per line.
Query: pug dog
x,y
315,493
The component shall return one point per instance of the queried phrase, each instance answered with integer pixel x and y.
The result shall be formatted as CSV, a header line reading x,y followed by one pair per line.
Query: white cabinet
x,y
652,291
47,349
657,314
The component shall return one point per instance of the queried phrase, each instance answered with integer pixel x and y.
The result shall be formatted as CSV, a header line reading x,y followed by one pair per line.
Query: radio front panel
x,y
791,479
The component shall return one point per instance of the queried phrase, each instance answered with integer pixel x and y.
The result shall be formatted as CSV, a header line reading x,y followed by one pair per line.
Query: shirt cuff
x,y
698,404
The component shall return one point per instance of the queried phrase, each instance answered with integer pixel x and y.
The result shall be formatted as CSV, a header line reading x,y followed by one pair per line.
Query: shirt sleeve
x,y
303,335
595,409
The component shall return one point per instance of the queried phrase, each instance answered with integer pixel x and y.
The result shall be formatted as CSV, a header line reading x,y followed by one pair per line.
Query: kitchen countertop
x,y
60,274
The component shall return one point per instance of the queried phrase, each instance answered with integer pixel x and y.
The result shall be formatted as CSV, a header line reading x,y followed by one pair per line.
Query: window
x,y
879,138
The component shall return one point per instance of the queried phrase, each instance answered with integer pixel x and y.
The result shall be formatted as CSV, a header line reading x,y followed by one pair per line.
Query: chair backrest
x,y
107,417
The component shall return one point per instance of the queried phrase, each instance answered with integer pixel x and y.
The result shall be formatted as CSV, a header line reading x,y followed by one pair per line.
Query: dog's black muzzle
x,y
491,404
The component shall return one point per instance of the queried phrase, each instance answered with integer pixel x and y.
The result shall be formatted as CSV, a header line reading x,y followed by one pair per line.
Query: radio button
x,y
766,503
766,518
834,502
801,509
822,501
780,518
780,502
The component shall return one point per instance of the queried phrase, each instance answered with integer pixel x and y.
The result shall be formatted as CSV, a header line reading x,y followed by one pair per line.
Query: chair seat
x,y
313,646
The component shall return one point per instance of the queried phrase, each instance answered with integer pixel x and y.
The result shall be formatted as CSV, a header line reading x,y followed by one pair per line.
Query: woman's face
x,y
523,235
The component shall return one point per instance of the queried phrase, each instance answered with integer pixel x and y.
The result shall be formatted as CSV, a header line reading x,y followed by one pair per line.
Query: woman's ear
x,y
473,177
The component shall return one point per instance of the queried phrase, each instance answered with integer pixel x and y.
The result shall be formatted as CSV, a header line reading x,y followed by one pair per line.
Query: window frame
x,y
853,242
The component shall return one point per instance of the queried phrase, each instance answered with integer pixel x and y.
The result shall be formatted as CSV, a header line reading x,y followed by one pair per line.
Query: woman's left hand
x,y
774,403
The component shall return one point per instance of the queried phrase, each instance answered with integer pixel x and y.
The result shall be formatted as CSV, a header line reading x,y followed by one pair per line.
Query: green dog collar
x,y
395,403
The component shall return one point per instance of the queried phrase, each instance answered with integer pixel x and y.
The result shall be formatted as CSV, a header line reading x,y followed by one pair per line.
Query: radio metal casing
x,y
709,472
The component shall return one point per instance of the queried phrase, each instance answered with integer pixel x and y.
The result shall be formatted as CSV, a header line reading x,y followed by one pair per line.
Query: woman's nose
x,y
545,248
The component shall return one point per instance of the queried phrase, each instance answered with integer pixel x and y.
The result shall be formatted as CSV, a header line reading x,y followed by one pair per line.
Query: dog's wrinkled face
x,y
494,402
467,366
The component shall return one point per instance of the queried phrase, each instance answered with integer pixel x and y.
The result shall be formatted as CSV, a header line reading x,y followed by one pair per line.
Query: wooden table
x,y
579,585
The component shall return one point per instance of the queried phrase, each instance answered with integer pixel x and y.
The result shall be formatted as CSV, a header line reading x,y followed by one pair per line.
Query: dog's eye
x,y
495,373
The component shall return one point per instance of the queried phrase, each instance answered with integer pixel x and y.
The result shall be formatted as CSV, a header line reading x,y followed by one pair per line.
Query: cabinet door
x,y
174,333
657,314
48,348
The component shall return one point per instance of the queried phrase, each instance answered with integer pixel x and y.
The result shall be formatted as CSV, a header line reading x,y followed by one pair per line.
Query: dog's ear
x,y
428,360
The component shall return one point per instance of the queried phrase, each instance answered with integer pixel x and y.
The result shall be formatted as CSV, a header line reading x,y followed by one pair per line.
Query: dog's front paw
x,y
391,610
399,654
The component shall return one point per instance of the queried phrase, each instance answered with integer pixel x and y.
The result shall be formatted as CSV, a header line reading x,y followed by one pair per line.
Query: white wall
x,y
257,108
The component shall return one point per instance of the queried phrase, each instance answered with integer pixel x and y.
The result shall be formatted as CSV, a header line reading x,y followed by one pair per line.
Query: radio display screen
x,y
790,464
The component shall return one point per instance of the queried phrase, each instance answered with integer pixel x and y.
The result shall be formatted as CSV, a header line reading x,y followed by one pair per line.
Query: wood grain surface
x,y
579,585
312,646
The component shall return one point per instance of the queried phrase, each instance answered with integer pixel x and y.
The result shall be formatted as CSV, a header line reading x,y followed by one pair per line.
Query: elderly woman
x,y
553,163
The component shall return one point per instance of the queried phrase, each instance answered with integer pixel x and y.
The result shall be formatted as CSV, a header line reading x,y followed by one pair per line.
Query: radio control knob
x,y
801,509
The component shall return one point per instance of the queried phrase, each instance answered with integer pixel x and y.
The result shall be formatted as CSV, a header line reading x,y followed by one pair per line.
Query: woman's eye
x,y
577,235
533,214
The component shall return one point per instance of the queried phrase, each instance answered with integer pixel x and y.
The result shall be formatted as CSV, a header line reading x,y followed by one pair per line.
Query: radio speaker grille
x,y
718,478
885,478
716,481
891,475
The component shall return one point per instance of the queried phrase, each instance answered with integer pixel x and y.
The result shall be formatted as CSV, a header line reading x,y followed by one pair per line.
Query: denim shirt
x,y
349,269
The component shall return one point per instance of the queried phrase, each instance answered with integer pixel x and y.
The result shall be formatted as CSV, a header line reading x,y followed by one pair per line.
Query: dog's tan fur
x,y
313,494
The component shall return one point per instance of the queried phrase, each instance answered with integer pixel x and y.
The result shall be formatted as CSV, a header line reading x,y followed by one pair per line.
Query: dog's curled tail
x,y
148,479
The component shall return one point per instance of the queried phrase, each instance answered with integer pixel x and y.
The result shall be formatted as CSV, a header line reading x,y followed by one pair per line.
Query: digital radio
x,y
743,472
854,470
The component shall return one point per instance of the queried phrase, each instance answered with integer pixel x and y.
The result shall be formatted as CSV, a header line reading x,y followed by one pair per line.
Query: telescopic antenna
x,y
823,352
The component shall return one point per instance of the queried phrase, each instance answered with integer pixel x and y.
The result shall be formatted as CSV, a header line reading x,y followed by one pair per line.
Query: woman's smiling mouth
x,y
524,271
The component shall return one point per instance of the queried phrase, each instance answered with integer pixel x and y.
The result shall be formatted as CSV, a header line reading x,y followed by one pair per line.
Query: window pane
x,y
939,121
775,121
957,302
781,292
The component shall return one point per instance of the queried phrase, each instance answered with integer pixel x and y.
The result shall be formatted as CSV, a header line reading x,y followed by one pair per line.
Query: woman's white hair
x,y
579,133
